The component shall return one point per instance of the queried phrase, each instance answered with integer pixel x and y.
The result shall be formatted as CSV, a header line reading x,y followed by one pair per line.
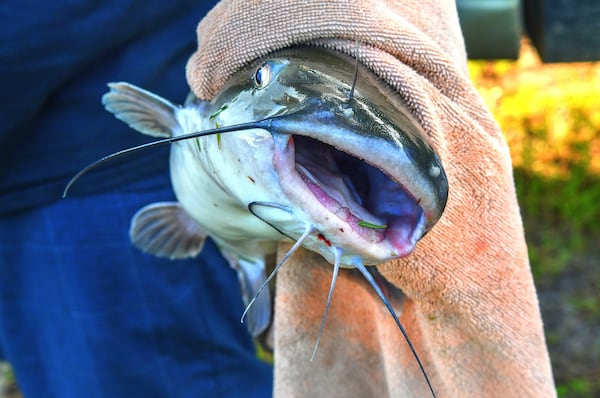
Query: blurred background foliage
x,y
550,115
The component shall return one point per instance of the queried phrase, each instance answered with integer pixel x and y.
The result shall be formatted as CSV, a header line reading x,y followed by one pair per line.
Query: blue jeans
x,y
85,314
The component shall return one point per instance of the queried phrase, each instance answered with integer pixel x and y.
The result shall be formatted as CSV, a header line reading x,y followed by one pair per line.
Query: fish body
x,y
343,168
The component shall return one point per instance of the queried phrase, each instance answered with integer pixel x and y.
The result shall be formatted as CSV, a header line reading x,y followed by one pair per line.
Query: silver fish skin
x,y
354,173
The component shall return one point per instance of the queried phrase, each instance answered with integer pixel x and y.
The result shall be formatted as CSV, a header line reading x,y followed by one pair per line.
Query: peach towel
x,y
472,310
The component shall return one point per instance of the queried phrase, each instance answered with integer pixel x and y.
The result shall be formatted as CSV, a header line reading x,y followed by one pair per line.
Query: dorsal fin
x,y
141,110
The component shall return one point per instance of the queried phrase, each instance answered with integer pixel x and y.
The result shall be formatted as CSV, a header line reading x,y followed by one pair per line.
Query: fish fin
x,y
142,110
252,277
166,230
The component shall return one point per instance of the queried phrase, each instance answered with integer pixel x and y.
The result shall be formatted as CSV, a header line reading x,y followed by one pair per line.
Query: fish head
x,y
347,160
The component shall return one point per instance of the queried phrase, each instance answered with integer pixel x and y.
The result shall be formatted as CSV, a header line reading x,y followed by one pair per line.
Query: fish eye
x,y
263,75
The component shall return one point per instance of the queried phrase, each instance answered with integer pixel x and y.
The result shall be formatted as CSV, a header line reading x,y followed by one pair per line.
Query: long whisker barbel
x,y
351,94
363,270
263,123
307,232
336,269
357,263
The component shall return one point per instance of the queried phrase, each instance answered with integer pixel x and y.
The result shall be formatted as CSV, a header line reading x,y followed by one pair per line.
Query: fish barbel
x,y
342,168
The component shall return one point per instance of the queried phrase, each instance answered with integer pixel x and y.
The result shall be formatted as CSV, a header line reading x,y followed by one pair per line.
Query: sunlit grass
x,y
550,115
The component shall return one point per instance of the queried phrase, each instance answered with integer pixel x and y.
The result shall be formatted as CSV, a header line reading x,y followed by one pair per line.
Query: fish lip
x,y
317,117
343,229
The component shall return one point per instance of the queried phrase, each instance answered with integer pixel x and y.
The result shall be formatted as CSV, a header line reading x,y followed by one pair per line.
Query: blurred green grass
x,y
550,115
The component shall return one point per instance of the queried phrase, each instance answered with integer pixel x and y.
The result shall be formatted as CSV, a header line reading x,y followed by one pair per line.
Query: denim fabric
x,y
57,57
82,312
85,314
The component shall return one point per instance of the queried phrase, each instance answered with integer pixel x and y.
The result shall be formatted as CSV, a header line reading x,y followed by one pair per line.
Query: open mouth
x,y
372,204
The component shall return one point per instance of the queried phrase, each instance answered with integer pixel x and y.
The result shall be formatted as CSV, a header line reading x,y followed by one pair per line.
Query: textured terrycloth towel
x,y
472,310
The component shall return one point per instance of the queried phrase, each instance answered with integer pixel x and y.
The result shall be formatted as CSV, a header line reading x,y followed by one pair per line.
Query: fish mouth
x,y
353,204
353,164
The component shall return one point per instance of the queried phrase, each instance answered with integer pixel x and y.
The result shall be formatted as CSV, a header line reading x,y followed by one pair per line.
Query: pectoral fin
x,y
251,276
141,110
167,230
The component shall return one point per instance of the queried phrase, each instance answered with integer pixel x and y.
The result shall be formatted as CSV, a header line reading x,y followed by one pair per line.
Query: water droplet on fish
x,y
434,171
